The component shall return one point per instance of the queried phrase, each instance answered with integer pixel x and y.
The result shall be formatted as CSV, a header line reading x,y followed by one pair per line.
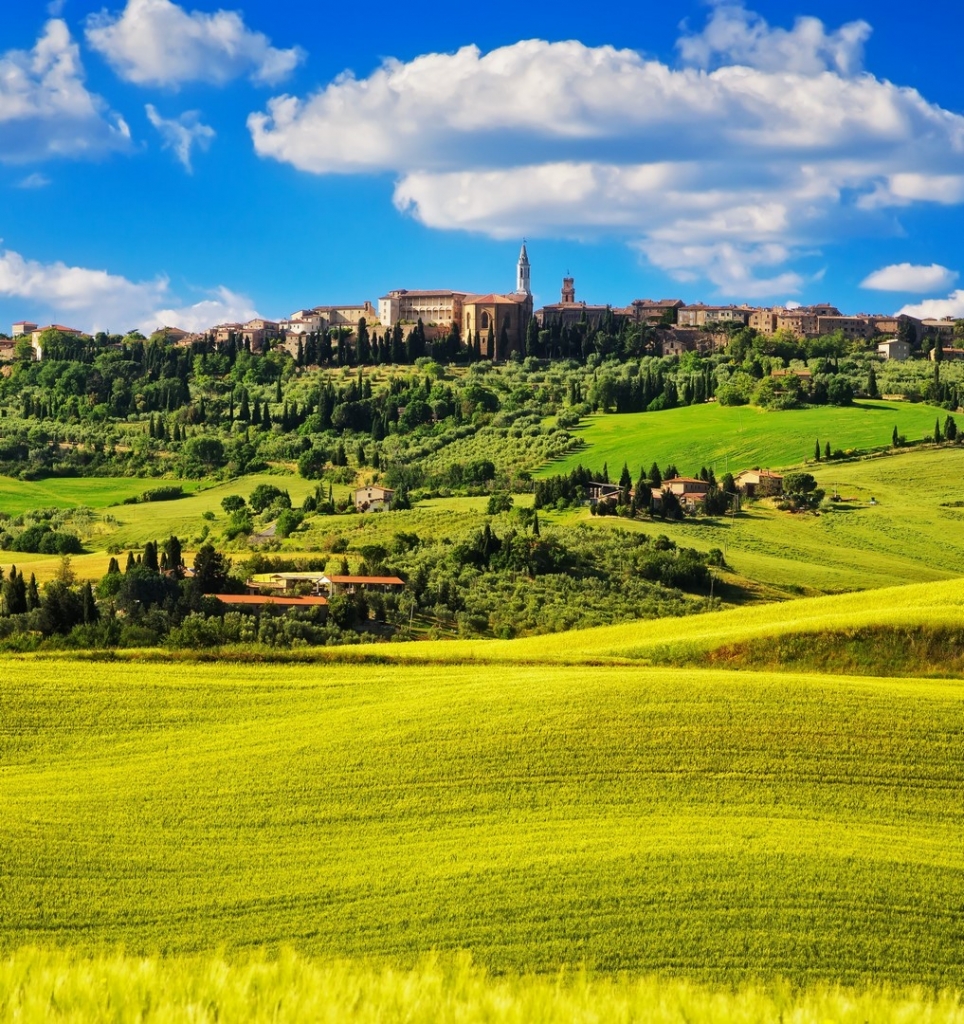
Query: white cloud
x,y
35,180
156,42
937,309
734,35
45,108
221,306
181,133
100,300
910,187
906,277
729,173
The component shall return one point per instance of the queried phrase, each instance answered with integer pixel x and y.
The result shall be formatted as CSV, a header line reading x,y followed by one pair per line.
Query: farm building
x,y
894,348
759,483
597,491
373,499
690,490
257,602
349,584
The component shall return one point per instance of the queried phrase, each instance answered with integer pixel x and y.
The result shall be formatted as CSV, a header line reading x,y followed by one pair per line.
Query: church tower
x,y
568,291
522,273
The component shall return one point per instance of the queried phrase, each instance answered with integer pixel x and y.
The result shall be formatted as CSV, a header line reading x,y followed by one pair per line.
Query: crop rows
x,y
712,825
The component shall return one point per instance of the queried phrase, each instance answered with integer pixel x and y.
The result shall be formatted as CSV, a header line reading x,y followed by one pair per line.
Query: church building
x,y
500,321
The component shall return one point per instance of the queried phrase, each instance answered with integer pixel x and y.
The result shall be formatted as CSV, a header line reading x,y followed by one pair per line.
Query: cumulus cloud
x,y
46,110
98,300
181,133
156,42
221,306
754,151
937,309
907,277
734,35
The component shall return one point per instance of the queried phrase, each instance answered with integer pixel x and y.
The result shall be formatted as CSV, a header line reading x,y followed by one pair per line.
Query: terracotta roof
x,y
424,293
60,327
685,480
253,599
505,299
374,580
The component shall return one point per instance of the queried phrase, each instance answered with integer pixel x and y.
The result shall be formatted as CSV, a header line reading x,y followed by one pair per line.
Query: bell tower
x,y
568,291
522,272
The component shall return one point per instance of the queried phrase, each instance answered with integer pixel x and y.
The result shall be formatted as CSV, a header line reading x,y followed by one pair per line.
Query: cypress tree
x,y
33,594
816,451
130,562
895,437
826,450
150,556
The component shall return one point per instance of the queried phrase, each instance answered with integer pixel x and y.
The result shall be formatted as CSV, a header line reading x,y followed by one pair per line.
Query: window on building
x,y
485,320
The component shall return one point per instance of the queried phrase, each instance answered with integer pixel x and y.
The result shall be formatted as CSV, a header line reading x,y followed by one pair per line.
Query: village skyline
x,y
165,163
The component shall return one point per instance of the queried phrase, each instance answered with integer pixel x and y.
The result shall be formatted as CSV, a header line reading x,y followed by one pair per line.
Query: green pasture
x,y
37,986
914,531
735,438
18,496
703,824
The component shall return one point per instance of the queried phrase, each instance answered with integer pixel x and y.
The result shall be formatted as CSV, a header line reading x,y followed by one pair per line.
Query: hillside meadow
x,y
913,530
734,438
705,824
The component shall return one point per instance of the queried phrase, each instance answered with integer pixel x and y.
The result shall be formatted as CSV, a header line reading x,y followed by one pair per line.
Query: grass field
x,y
18,496
39,986
738,438
914,532
712,825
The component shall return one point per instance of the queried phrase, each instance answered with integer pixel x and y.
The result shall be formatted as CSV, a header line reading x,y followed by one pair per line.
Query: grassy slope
x,y
912,534
18,496
739,438
709,824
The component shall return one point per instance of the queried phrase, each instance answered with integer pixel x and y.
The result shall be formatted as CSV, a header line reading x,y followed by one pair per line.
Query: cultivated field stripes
x,y
706,824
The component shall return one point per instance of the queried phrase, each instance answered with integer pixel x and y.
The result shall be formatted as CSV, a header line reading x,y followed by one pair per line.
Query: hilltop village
x,y
452,323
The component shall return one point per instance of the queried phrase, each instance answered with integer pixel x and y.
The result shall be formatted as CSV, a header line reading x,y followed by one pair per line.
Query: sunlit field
x,y
38,986
712,825
739,437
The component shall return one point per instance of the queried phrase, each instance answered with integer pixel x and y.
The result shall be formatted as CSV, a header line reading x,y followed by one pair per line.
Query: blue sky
x,y
189,164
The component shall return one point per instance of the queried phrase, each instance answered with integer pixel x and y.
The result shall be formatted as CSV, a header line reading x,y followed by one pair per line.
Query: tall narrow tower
x,y
522,273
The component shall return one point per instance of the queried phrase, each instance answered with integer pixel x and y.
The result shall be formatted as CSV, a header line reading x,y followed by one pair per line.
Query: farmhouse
x,y
257,602
894,348
373,499
598,491
759,483
690,490
350,584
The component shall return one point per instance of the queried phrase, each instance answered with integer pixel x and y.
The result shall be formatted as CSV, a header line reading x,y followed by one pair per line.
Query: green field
x,y
713,825
737,438
914,532
18,496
